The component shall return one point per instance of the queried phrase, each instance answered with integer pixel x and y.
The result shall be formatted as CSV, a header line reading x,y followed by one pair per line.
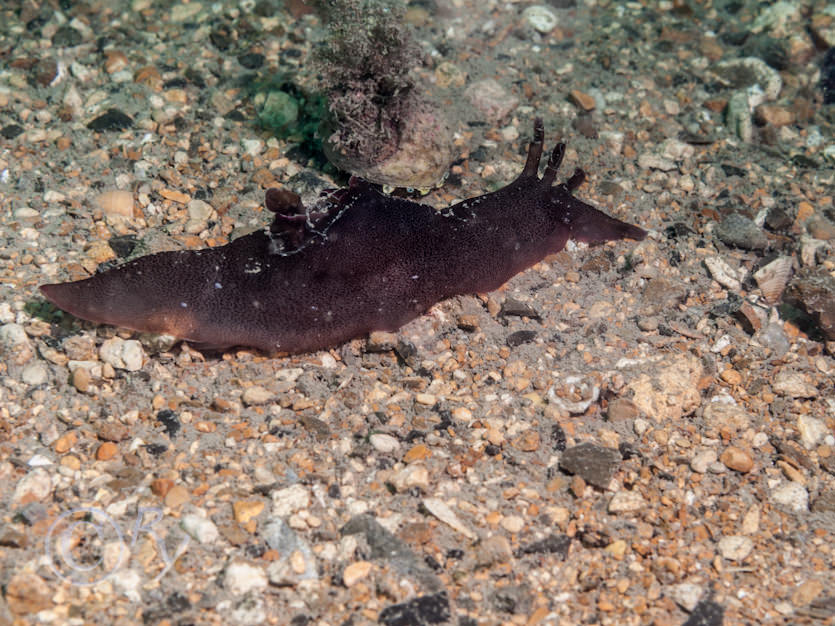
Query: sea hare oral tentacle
x,y
356,261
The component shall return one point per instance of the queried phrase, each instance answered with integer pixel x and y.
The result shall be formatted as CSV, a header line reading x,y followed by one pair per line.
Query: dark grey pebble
x,y
420,611
594,464
741,232
112,119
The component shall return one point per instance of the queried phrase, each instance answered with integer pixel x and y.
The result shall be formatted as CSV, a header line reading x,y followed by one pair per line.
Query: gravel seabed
x,y
634,433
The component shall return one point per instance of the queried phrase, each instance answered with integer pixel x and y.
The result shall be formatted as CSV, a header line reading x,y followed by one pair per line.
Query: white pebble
x,y
384,443
121,354
735,547
37,483
791,495
812,431
626,501
35,373
289,500
256,395
703,460
240,578
541,18
200,528
13,336
686,595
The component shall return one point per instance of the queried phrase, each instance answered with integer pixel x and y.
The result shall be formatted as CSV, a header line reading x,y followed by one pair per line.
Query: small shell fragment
x,y
574,394
723,273
772,278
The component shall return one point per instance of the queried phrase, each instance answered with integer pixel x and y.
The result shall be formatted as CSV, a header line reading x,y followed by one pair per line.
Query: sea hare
x,y
356,261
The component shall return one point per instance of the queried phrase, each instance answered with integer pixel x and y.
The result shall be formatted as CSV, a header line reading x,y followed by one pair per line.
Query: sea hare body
x,y
357,261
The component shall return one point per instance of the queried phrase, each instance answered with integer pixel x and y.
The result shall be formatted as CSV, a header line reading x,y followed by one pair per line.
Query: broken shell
x,y
724,274
772,278
574,394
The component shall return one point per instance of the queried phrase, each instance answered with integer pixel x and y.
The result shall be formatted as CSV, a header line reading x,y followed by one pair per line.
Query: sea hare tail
x,y
592,226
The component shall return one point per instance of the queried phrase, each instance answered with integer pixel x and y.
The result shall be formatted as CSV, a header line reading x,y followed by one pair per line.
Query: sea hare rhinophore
x,y
356,261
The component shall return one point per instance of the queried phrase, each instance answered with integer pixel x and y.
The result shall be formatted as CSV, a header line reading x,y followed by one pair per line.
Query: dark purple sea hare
x,y
356,261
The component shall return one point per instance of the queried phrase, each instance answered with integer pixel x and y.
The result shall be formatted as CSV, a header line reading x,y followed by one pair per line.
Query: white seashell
x,y
724,274
574,394
772,278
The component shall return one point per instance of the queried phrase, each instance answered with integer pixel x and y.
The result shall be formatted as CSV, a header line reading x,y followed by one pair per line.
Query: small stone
x,y
791,495
737,459
468,322
121,354
626,501
825,502
245,510
161,486
595,464
512,523
355,572
582,100
686,595
256,395
34,486
821,228
702,461
793,384
665,390
750,521
249,610
621,409
133,355
28,593
735,547
723,413
541,18
297,561
239,578
774,115
411,476
112,119
185,12
175,196
106,451
113,431
520,337
493,550
441,510
380,341
176,497
432,609
812,431
115,202
115,61
617,548
806,592
65,442
81,379
200,528
35,373
528,441
741,232
491,99
732,377
66,37
288,500
384,443
419,452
